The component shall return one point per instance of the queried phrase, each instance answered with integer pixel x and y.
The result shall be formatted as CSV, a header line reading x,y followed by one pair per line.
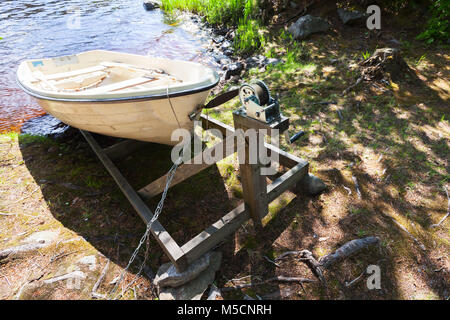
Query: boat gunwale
x,y
120,99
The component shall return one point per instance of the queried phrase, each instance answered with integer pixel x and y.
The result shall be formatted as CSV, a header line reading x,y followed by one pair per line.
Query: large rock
x,y
349,17
194,289
151,5
168,275
312,185
308,25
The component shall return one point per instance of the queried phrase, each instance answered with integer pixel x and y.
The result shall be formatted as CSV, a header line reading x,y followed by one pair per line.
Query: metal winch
x,y
258,103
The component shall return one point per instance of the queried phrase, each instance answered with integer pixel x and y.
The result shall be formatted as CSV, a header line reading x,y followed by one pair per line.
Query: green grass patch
x,y
231,13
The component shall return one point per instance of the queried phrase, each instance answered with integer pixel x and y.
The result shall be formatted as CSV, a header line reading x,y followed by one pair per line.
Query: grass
x,y
240,14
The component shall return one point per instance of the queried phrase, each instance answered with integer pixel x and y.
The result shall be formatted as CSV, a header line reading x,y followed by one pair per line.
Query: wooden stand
x,y
257,194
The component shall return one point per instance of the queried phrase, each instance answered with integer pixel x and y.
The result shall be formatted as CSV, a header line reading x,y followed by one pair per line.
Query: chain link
x,y
146,236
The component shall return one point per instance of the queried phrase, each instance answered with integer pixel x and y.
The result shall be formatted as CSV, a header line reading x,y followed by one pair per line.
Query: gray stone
x,y
151,5
308,25
193,290
348,17
234,69
312,185
214,293
273,61
42,237
169,276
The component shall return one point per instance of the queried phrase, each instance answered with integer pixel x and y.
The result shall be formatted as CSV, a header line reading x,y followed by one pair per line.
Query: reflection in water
x,y
44,28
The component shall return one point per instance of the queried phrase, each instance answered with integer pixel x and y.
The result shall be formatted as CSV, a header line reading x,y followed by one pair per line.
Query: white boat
x,y
119,94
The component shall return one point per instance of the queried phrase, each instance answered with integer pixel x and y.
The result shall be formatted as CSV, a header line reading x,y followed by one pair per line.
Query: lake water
x,y
48,28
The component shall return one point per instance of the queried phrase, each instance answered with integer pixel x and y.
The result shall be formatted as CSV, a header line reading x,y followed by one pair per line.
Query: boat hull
x,y
151,120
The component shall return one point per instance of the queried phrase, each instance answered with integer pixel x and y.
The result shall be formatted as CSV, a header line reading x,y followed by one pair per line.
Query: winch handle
x,y
296,136
221,99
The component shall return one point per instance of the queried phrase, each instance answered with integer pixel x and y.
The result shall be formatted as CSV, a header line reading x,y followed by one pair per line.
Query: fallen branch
x,y
348,249
99,281
10,252
349,191
6,278
357,279
355,181
352,86
287,253
307,257
277,278
420,244
448,210
271,261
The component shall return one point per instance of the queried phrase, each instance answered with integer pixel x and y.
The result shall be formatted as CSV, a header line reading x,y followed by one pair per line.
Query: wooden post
x,y
253,183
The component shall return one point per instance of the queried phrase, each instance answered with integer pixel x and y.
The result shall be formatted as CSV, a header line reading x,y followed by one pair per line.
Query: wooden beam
x,y
214,234
253,183
170,247
286,159
185,171
123,149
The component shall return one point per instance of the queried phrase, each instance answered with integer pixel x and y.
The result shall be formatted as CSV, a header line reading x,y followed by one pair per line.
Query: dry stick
x,y
346,250
99,281
355,181
27,196
278,278
352,86
448,210
357,279
271,261
287,253
349,191
6,278
409,234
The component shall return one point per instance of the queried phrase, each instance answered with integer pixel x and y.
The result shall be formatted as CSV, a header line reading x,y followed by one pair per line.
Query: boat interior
x,y
103,78
104,74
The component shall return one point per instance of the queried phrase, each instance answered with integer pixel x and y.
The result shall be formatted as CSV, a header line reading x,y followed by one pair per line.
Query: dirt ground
x,y
392,137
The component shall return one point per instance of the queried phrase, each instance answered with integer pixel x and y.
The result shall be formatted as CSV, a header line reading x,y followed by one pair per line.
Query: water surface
x,y
48,28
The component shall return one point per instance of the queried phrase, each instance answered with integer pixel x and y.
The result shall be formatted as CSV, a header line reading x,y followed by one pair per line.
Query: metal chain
x,y
146,235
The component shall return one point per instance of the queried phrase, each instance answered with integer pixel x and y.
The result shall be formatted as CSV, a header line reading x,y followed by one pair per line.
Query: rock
x,y
214,293
228,52
349,17
273,61
312,185
42,237
218,39
151,5
168,275
225,45
307,25
256,61
194,289
234,69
